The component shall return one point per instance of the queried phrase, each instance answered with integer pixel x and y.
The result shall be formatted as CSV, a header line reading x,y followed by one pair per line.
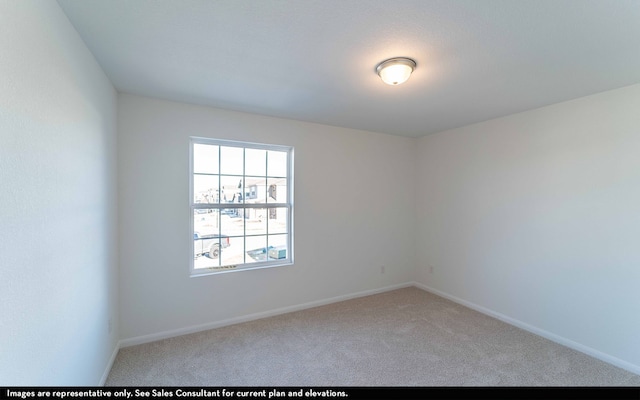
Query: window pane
x,y
205,158
256,249
277,220
276,190
277,163
232,222
231,189
277,247
205,221
231,160
256,221
232,251
255,190
202,262
205,189
206,241
255,162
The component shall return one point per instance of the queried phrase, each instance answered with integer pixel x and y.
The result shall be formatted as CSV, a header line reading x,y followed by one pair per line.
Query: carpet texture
x,y
405,337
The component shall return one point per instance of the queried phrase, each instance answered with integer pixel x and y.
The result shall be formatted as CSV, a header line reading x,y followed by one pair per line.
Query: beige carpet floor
x,y
405,337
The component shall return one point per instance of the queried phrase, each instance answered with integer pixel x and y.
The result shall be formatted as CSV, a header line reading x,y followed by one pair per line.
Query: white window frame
x,y
288,205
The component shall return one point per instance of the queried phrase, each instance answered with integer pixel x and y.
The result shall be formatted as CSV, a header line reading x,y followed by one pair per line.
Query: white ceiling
x,y
315,60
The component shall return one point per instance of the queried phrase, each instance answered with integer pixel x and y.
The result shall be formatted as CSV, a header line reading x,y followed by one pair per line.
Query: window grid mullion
x,y
215,206
244,201
219,217
266,195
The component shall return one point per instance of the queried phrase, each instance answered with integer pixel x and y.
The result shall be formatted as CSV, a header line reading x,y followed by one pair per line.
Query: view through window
x,y
241,205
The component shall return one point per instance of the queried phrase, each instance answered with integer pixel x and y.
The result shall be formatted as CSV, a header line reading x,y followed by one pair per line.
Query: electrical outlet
x,y
382,269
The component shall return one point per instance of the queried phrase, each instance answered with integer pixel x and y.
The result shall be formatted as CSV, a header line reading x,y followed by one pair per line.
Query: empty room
x,y
298,193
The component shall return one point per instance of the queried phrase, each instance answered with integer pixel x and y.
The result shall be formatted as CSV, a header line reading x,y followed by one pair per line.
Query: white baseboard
x,y
537,331
251,317
107,370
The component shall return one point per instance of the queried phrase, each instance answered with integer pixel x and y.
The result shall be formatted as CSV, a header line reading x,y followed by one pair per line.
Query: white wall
x,y
535,217
340,245
58,282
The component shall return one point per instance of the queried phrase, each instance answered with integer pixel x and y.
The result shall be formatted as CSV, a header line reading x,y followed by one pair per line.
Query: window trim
x,y
193,140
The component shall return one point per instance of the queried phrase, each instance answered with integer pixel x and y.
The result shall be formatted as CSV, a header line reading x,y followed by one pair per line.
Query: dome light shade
x,y
395,71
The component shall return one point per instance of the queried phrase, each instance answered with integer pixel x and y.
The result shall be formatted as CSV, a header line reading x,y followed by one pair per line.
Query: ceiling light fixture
x,y
395,71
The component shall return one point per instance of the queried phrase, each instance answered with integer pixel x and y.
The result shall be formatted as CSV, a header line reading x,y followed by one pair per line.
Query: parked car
x,y
210,244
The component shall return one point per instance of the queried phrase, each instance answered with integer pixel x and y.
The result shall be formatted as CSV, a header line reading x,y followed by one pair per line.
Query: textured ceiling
x,y
315,60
